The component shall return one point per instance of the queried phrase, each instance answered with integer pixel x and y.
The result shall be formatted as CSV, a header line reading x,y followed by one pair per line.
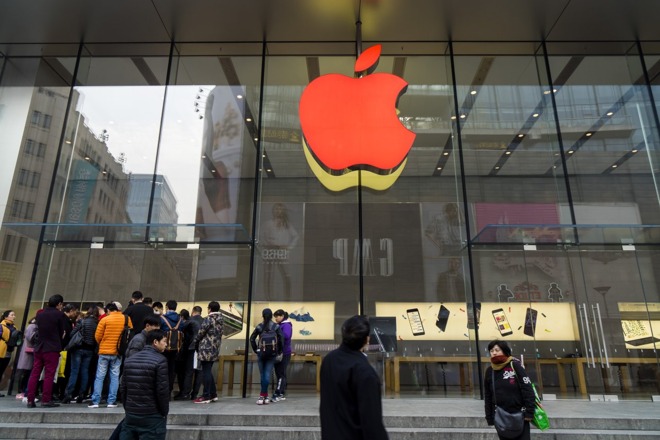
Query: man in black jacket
x,y
137,311
351,407
190,389
145,386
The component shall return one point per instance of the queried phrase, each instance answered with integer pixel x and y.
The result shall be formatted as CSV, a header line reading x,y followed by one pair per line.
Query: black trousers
x,y
171,366
190,380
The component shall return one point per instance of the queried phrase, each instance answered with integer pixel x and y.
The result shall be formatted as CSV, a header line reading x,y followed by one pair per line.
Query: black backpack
x,y
124,338
174,335
268,341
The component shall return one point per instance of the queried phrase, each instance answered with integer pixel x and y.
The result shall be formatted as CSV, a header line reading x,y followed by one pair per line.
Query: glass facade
x,y
525,209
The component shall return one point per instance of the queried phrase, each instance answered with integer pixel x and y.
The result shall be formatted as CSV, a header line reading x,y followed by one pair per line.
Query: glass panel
x,y
33,99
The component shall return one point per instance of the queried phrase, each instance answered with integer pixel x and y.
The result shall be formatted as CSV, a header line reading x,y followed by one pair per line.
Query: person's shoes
x,y
214,398
79,399
112,405
93,405
31,405
66,399
49,405
182,397
20,396
262,400
202,400
2,395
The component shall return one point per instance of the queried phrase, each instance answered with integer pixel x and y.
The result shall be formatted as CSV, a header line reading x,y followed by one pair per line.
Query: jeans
x,y
80,360
48,362
280,374
114,363
265,370
209,384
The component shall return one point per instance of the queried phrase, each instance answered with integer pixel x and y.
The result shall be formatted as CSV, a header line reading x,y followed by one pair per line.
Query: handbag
x,y
541,420
75,341
508,425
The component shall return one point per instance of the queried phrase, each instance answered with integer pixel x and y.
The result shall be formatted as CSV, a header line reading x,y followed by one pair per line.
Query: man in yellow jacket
x,y
107,336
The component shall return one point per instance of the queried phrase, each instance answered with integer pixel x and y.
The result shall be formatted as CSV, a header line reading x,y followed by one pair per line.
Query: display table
x,y
393,368
234,358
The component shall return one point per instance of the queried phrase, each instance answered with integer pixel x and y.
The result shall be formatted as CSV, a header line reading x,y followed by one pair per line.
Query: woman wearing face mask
x,y
507,386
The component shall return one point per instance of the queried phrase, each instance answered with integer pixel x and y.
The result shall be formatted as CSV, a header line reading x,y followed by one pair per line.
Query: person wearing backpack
x,y
173,326
282,318
270,345
8,341
81,356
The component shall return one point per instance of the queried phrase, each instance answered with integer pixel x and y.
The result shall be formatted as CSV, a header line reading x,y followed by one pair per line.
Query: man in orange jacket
x,y
107,335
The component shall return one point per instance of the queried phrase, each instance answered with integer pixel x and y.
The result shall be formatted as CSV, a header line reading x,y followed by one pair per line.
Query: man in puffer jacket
x,y
147,394
107,335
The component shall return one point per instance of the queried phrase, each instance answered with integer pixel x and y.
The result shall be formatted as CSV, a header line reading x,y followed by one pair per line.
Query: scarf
x,y
499,362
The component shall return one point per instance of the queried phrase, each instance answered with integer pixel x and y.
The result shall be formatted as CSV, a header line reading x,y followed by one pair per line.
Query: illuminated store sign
x,y
351,131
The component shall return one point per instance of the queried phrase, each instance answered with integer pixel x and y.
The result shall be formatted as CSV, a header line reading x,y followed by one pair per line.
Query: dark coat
x,y
52,325
192,328
137,313
209,338
88,328
351,407
259,329
513,390
145,384
136,344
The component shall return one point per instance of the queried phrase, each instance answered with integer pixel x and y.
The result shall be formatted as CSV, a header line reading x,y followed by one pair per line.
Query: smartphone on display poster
x,y
470,315
530,322
415,321
443,317
502,322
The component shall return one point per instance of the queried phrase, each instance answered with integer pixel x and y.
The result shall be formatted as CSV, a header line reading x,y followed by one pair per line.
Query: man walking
x,y
137,311
51,325
107,335
351,407
146,389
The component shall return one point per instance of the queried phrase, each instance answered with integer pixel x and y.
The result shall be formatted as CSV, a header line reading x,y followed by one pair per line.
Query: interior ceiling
x,y
585,23
72,21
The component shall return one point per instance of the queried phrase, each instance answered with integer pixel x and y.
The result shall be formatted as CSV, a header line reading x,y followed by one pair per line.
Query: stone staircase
x,y
240,419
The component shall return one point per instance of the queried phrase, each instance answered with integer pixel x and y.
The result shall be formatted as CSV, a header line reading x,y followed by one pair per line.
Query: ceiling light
x,y
203,156
554,90
507,152
86,157
463,116
67,142
263,155
439,168
609,113
547,92
556,154
453,118
239,96
571,151
614,166
535,115
269,170
521,135
588,134
634,150
446,153
473,92
213,171
256,139
554,166
248,119
497,168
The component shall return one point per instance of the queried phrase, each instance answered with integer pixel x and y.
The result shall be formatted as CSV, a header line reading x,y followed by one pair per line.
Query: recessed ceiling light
x,y
67,142
463,116
256,139
571,151
86,157
609,113
521,135
213,171
239,96
497,168
535,115
588,134
269,170
507,152
634,150
248,119
439,168
263,155
453,118
446,153
554,166
547,92
614,166
473,92
554,90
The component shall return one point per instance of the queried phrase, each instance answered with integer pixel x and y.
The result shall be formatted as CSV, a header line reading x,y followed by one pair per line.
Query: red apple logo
x,y
351,124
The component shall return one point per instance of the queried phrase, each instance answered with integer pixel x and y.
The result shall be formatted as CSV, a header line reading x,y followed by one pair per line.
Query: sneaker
x,y
214,399
31,405
93,405
20,396
262,400
281,398
275,399
202,400
112,405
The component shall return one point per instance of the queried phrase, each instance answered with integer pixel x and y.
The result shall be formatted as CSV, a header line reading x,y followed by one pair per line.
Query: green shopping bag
x,y
540,420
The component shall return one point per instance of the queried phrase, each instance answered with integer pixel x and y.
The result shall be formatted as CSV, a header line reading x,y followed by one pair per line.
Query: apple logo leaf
x,y
368,59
